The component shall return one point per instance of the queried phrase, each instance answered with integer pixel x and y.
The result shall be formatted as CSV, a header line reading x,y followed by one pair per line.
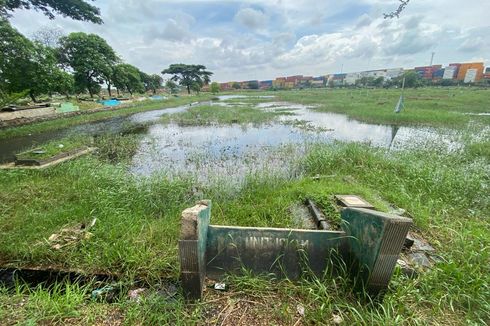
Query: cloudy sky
x,y
252,39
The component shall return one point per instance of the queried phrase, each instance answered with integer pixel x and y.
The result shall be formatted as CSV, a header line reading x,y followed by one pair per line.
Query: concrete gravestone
x,y
368,245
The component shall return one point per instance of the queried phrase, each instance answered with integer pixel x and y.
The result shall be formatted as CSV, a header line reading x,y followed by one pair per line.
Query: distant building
x,y
279,82
352,78
265,84
394,73
427,72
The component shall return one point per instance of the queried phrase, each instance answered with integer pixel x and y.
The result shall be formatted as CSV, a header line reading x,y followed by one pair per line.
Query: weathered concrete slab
x,y
368,246
12,165
284,252
192,248
353,201
376,242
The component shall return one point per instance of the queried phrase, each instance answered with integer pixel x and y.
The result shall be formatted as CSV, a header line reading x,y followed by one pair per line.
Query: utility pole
x,y
432,58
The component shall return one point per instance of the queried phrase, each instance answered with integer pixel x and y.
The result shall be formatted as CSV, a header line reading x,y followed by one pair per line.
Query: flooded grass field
x,y
257,156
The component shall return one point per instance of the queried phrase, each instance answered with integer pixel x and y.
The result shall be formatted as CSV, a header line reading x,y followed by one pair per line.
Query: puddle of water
x,y
9,147
228,151
233,151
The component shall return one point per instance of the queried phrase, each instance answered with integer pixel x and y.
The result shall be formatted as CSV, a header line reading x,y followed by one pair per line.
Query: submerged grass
x,y
449,107
207,115
54,148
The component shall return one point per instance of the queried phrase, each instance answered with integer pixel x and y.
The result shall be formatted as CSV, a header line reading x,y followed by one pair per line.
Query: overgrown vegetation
x,y
206,115
135,236
450,107
54,148
98,116
138,222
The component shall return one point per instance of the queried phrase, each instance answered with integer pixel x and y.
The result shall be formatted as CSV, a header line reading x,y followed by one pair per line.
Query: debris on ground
x,y
417,254
136,294
337,319
300,310
106,293
220,286
70,235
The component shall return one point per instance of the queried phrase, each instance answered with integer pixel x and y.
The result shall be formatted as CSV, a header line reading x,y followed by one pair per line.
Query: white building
x,y
350,79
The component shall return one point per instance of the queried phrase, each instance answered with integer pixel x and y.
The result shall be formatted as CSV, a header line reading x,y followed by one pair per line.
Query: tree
x,y
253,84
189,76
48,36
236,85
172,86
412,79
25,65
90,57
378,82
151,82
396,13
127,77
215,88
75,9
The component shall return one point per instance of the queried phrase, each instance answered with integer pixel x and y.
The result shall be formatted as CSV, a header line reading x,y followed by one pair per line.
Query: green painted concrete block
x,y
67,107
368,246
375,242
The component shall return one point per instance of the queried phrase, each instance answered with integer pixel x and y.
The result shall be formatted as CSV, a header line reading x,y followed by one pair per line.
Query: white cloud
x,y
256,39
251,18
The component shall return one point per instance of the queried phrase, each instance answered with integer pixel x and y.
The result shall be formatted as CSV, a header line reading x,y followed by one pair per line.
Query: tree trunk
x,y
188,89
109,89
89,79
117,90
33,98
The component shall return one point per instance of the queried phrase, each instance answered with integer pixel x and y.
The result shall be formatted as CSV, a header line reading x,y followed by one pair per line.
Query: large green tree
x,y
151,82
91,59
75,9
189,76
25,65
127,77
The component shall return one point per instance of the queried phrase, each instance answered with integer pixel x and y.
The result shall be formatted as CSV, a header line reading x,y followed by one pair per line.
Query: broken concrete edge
x,y
10,166
373,240
376,241
35,162
192,248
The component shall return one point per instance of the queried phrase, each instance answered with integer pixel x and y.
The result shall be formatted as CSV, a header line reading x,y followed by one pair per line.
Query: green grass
x,y
207,115
40,127
54,148
138,221
424,106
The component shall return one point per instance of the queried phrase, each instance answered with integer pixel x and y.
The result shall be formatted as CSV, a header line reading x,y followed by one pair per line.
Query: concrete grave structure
x,y
368,246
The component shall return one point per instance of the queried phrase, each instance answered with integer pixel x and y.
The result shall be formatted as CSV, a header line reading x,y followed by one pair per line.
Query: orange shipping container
x,y
463,69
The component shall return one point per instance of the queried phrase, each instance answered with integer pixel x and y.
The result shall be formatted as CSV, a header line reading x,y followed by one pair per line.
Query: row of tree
x,y
77,63
80,63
